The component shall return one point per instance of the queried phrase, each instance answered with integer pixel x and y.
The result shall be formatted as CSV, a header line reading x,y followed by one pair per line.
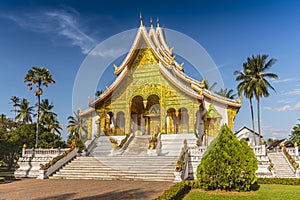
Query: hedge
x,y
176,192
282,181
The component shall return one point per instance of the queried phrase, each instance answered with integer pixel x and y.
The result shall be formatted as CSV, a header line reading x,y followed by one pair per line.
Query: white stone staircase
x,y
141,168
137,147
133,164
281,165
173,143
102,147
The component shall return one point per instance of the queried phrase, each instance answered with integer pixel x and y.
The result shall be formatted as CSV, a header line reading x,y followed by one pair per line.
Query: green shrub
x,y
228,164
2,179
282,181
177,191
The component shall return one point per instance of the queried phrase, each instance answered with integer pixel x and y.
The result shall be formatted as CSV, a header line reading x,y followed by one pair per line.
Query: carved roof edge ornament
x,y
156,42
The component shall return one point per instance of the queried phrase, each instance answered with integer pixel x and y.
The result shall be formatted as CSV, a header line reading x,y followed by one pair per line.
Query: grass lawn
x,y
287,192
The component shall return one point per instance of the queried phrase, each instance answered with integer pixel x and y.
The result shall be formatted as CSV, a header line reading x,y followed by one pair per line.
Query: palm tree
x,y
38,77
208,86
15,102
48,118
98,93
243,77
258,65
25,112
76,126
226,93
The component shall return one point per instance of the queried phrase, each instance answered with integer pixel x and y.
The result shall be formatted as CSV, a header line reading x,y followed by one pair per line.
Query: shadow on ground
x,y
116,195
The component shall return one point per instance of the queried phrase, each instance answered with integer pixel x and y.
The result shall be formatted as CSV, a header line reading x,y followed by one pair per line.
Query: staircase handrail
x,y
130,138
292,164
59,164
158,144
91,145
182,162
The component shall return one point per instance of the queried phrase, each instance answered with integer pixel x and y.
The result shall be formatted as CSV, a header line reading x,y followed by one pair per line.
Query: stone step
x,y
121,178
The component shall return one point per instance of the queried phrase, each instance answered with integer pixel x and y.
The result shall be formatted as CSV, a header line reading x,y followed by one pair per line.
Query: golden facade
x,y
152,94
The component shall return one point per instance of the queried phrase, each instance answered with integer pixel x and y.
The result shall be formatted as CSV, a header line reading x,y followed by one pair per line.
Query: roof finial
x,y
151,22
141,19
157,22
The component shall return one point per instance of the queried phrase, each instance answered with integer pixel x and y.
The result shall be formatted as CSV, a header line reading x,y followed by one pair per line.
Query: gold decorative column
x,y
231,113
89,127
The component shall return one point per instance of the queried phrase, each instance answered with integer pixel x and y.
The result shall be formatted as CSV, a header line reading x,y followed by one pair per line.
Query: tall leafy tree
x,y
77,125
226,93
208,86
38,77
98,93
243,77
14,100
25,112
77,129
258,66
48,118
295,134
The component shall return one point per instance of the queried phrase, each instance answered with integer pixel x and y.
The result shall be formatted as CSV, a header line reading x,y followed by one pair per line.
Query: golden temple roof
x,y
173,71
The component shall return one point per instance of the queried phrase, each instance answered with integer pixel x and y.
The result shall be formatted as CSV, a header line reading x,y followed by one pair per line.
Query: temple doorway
x,y
145,115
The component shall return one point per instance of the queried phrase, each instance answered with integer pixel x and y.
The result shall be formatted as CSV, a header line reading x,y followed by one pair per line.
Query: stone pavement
x,y
81,189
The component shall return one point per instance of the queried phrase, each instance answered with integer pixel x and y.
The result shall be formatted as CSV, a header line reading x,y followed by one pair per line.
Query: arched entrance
x,y
183,119
145,115
137,110
171,121
152,115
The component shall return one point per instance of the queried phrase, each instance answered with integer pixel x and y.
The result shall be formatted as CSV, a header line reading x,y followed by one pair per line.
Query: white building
x,y
247,134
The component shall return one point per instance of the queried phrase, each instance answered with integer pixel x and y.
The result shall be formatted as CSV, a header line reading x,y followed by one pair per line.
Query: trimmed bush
x,y
175,192
2,179
228,164
282,181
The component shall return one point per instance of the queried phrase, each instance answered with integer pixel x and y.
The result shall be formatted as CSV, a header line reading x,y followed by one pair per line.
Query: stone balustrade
x,y
42,152
259,150
293,151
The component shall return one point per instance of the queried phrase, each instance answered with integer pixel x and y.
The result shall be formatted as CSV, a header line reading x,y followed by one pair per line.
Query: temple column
x,y
177,124
162,120
127,127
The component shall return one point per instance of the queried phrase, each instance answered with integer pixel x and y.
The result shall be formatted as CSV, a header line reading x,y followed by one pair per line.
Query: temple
x,y
153,123
152,94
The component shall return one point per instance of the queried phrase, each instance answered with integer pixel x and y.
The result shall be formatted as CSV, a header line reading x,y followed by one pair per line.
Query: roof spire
x,y
151,22
141,19
157,22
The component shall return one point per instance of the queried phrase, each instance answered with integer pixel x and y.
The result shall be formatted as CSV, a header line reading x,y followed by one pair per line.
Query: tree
x,y
98,93
38,77
25,112
258,65
226,93
12,142
295,134
14,100
208,86
48,118
228,164
77,129
243,77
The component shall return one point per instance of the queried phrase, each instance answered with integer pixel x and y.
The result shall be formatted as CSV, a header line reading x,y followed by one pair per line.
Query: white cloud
x,y
284,101
284,108
295,91
273,132
57,22
285,80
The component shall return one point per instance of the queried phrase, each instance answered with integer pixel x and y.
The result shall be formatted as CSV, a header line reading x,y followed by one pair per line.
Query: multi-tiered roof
x,y
154,38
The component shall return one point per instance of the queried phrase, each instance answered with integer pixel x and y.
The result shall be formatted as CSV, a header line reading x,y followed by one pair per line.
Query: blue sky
x,y
59,35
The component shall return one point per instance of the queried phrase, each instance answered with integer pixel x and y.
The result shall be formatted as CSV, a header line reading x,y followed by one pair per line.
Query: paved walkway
x,y
81,189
